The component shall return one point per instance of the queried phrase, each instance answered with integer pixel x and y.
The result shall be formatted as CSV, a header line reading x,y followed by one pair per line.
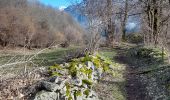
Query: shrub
x,y
135,38
152,54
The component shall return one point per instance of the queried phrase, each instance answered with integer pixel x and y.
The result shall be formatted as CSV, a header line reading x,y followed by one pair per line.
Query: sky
x,y
61,4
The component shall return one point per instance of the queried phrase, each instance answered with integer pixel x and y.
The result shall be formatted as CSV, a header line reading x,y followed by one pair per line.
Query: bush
x,y
152,54
135,38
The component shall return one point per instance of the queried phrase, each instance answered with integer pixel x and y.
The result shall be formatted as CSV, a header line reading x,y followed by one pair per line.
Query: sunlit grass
x,y
118,85
44,59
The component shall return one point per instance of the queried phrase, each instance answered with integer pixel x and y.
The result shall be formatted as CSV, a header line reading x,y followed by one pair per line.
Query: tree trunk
x,y
125,21
110,26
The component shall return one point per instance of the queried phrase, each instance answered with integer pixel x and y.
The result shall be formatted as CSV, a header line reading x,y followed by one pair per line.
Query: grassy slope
x,y
45,58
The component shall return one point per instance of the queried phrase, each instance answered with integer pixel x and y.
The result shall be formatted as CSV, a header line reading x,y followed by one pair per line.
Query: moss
x,y
56,66
97,62
56,74
68,87
73,69
87,82
106,67
86,58
86,71
77,93
86,92
70,98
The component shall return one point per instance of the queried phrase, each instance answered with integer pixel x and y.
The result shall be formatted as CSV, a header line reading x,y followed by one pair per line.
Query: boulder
x,y
52,87
52,79
45,95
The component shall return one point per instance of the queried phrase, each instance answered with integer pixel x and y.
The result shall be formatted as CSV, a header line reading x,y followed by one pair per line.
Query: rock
x,y
63,91
77,82
52,79
93,95
99,72
80,66
44,95
63,72
66,64
50,86
90,65
79,98
61,82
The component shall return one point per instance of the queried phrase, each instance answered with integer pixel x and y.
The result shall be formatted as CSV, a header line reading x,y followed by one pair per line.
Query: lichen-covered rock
x,y
45,95
90,65
77,82
52,87
74,80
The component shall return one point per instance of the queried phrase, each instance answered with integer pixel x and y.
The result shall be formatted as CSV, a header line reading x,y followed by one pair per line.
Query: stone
x,y
99,72
52,79
77,82
66,64
63,91
52,87
59,80
90,65
79,98
45,95
80,66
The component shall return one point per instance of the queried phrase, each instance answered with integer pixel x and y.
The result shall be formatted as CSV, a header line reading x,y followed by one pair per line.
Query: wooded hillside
x,y
32,24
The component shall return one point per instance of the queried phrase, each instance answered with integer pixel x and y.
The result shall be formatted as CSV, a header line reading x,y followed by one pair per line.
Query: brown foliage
x,y
35,25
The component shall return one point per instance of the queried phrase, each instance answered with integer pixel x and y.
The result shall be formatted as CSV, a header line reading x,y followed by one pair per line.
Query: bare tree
x,y
155,19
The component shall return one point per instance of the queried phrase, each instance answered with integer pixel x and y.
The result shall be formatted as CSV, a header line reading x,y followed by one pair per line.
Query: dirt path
x,y
135,88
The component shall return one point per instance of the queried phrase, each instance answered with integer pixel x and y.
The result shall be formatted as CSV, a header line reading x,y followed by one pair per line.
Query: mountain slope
x,y
33,24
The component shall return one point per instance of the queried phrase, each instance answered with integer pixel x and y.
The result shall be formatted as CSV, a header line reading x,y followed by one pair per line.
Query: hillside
x,y
32,24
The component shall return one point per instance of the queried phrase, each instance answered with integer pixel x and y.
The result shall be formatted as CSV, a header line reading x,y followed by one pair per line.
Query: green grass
x,y
46,58
118,86
52,57
109,53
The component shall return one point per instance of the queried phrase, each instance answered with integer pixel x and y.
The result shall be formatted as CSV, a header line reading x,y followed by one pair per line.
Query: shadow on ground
x,y
135,88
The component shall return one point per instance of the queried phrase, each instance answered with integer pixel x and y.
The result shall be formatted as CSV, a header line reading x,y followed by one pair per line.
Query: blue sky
x,y
57,3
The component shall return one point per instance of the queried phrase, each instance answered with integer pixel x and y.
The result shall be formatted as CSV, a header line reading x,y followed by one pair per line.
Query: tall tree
x,y
125,13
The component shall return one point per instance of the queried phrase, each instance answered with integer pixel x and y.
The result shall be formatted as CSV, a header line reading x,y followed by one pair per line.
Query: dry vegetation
x,y
27,25
31,24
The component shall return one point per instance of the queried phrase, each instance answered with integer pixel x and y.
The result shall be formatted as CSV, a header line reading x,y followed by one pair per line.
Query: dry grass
x,y
22,71
21,87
